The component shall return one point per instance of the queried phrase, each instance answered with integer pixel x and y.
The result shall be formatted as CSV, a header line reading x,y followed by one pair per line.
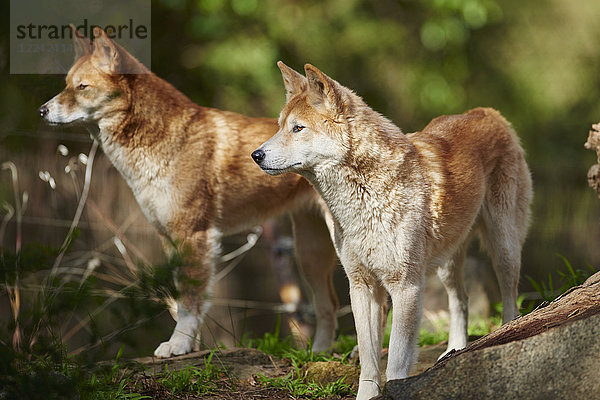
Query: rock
x,y
563,363
551,353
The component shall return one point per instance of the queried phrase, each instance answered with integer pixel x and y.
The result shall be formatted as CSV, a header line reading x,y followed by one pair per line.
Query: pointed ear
x,y
294,82
324,90
105,55
81,44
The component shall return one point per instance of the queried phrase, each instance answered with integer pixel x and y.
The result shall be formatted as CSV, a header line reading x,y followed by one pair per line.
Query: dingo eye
x,y
81,86
297,128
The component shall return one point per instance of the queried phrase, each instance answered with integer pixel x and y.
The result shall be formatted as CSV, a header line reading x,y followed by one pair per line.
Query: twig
x,y
252,238
86,320
117,231
113,334
133,269
79,211
15,181
14,294
235,255
10,212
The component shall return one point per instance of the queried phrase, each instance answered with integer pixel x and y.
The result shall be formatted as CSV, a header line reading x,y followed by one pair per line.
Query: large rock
x,y
552,353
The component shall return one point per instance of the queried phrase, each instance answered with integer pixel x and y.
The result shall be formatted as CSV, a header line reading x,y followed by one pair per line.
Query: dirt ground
x,y
244,365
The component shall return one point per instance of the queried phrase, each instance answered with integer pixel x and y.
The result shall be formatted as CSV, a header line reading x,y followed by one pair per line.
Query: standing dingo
x,y
403,203
189,171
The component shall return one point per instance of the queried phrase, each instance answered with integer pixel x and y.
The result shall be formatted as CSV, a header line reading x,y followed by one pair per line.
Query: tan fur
x,y
404,203
189,169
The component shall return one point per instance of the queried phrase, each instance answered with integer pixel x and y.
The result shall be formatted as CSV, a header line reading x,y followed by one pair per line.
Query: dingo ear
x,y
106,54
324,90
111,58
81,44
294,82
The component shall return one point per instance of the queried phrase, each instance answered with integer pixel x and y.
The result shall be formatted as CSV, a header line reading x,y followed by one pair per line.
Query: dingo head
x,y
94,84
313,127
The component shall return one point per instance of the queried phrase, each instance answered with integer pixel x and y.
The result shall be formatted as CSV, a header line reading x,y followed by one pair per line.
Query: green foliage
x,y
34,257
296,385
114,384
43,378
344,345
567,279
61,377
37,366
428,337
155,283
192,379
283,347
52,300
294,382
120,393
272,343
479,326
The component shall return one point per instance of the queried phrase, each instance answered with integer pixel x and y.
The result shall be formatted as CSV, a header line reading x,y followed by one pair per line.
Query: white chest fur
x,y
148,177
380,230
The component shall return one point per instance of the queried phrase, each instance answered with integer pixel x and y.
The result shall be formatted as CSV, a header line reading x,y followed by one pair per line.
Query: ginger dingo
x,y
404,203
189,170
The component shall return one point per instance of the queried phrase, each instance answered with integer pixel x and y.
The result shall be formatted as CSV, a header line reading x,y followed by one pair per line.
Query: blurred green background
x,y
536,61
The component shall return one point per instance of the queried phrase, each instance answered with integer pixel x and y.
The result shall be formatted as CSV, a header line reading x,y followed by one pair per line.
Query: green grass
x,y
192,379
40,368
294,382
283,347
428,337
43,379
120,383
567,279
112,384
121,392
297,385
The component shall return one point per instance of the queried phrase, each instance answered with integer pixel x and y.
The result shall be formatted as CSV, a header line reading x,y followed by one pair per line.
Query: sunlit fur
x,y
190,171
404,203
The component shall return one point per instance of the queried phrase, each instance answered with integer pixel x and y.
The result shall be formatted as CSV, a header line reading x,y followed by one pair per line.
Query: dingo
x,y
403,203
188,168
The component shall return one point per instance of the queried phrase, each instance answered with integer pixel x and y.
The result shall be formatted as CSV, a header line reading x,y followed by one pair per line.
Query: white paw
x,y
173,348
447,352
367,390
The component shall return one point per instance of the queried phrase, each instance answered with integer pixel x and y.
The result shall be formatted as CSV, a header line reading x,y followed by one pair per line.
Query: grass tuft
x,y
190,379
570,278
296,385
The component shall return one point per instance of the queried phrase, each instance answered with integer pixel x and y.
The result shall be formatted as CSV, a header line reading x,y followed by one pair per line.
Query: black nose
x,y
258,156
43,111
